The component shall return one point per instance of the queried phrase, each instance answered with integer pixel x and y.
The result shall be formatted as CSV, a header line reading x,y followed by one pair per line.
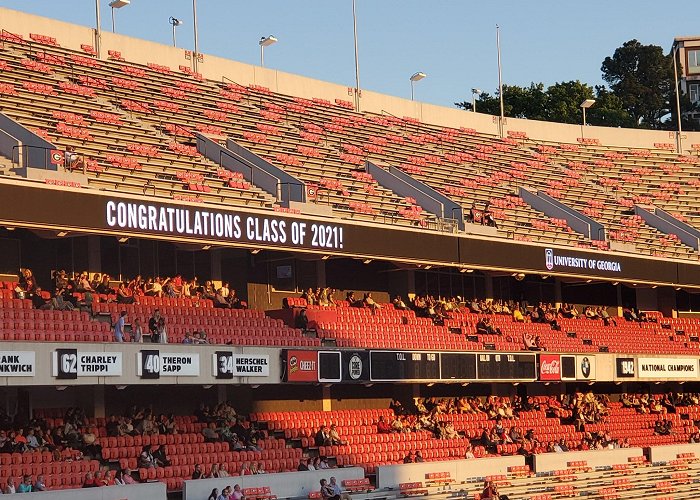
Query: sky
x,y
452,41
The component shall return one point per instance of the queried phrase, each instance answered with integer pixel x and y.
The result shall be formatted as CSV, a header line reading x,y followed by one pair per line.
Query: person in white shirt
x,y
10,488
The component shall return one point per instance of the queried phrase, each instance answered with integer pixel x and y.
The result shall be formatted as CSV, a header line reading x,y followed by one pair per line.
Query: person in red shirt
x,y
383,427
89,481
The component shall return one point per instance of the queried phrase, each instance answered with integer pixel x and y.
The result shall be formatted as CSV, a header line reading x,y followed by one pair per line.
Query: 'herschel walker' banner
x,y
17,364
678,368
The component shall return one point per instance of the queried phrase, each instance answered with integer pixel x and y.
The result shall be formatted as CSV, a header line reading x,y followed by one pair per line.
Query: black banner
x,y
150,364
624,367
393,366
506,366
223,364
135,217
66,364
355,366
457,366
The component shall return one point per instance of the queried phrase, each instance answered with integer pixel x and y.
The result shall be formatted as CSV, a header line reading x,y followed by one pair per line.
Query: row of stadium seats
x,y
326,144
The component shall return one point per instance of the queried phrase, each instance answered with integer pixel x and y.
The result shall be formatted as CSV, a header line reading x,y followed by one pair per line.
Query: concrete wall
x,y
390,476
555,461
146,491
670,452
216,68
283,484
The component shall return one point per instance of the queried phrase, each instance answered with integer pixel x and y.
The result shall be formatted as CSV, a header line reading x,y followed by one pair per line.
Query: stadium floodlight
x,y
265,41
416,77
117,4
175,23
475,92
584,106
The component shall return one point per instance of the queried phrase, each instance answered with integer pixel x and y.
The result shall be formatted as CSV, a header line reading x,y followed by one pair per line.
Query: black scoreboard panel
x,y
390,366
491,366
457,366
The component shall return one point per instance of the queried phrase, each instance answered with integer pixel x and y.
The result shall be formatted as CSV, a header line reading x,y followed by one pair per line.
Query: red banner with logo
x,y
57,157
550,367
302,366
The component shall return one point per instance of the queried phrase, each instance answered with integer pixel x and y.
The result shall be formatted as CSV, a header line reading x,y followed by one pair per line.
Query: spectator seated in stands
x,y
409,458
486,327
337,489
568,311
399,304
197,473
383,427
662,427
591,313
334,436
474,216
605,316
322,437
301,320
146,459
489,219
327,491
352,300
518,316
368,302
89,481
309,296
38,300
633,314
59,302
235,302
73,161
529,342
124,295
490,491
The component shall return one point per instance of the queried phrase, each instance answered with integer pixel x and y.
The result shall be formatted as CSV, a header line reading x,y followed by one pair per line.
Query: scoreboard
x,y
400,366
393,366
503,366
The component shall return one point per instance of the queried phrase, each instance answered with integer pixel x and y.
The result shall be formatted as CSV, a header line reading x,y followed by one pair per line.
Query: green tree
x,y
564,101
560,102
518,102
642,77
608,110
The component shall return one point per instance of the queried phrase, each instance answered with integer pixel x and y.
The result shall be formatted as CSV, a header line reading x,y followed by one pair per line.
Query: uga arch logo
x,y
549,258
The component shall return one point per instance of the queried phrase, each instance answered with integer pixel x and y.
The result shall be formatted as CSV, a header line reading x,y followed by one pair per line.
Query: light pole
x,y
584,106
98,29
475,92
196,34
416,77
357,58
500,80
175,23
678,96
265,41
117,4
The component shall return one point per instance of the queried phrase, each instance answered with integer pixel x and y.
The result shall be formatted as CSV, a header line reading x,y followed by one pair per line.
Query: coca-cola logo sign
x,y
550,367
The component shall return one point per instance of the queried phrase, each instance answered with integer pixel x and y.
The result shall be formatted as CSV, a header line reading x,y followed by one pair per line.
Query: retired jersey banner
x,y
17,363
71,364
